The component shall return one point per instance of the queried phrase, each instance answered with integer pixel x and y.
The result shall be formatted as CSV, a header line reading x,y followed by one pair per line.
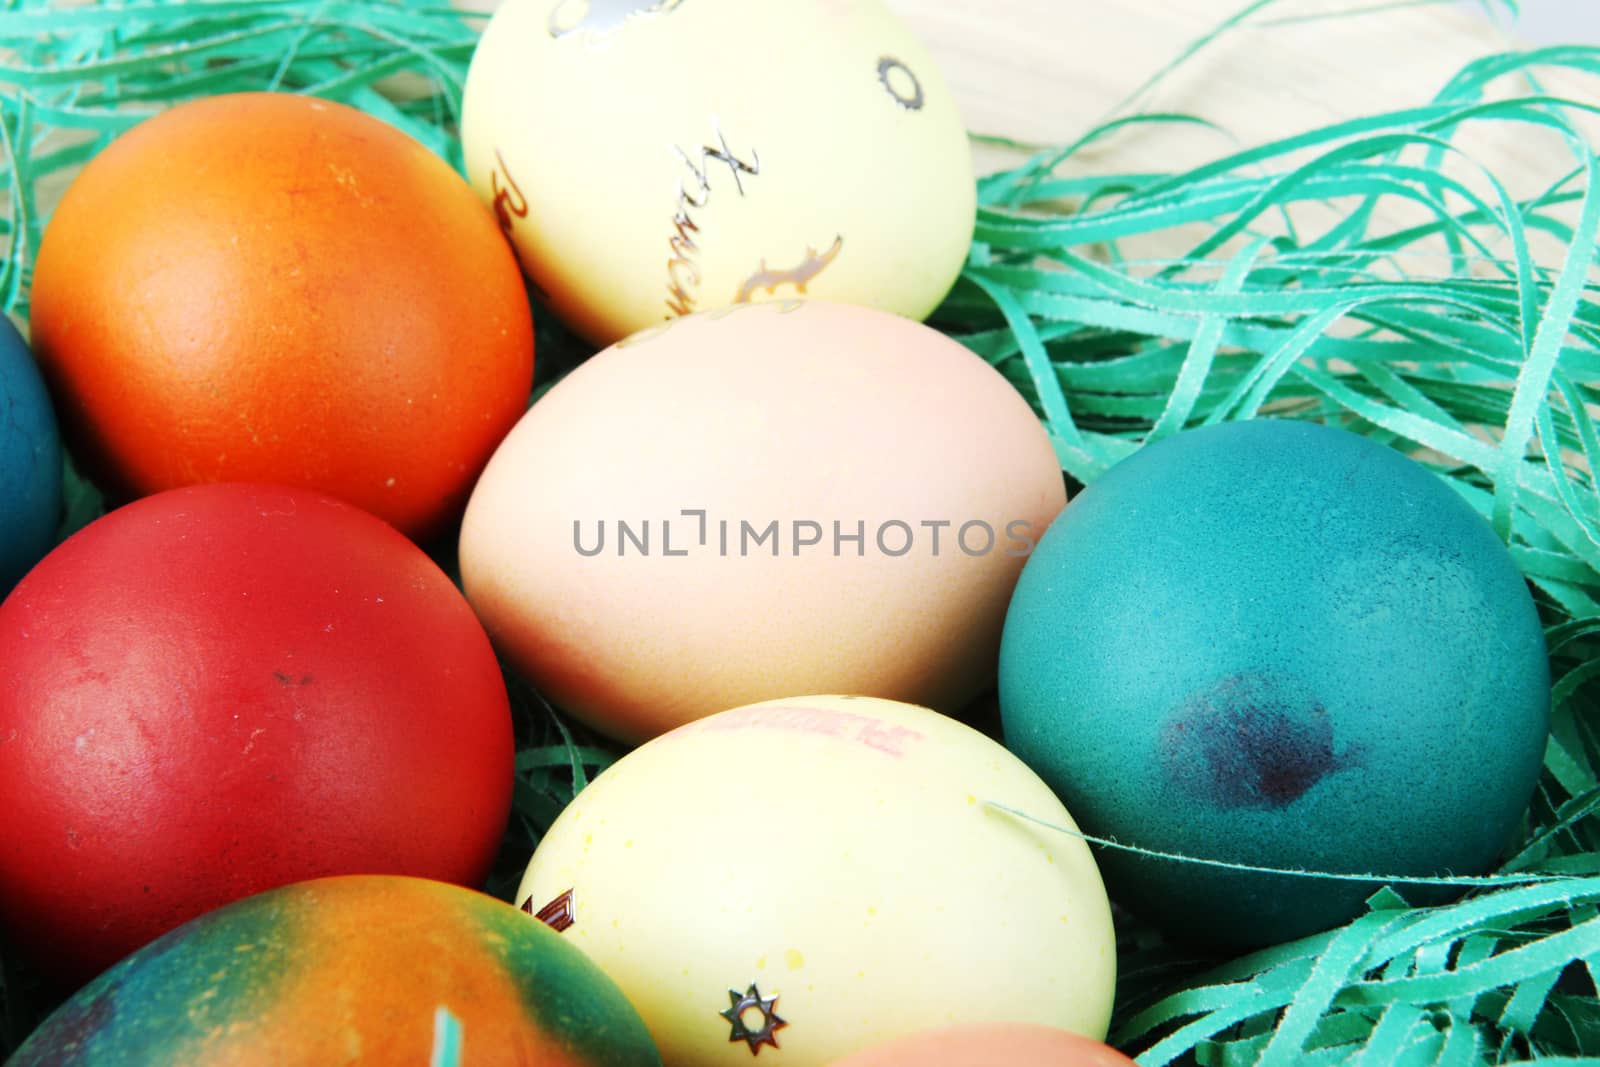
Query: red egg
x,y
219,690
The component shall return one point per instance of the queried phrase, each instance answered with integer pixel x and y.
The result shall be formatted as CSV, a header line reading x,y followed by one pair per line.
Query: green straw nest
x,y
1370,274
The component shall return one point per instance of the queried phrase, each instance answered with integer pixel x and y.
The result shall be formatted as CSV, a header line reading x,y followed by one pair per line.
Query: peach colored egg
x,y
990,1045
759,501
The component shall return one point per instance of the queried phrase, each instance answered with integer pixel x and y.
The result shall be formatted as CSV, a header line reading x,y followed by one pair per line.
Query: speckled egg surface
x,y
1280,644
360,970
803,878
30,461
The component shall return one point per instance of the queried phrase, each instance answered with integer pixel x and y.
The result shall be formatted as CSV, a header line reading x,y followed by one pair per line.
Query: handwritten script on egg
x,y
694,194
509,203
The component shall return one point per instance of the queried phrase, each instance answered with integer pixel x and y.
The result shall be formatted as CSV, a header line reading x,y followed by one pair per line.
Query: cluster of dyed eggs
x,y
254,743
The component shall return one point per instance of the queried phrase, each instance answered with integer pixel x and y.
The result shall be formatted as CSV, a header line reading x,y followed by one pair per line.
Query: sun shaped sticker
x,y
900,83
751,1001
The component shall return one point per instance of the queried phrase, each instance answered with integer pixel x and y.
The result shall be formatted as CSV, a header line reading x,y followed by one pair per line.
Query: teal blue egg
x,y
30,462
1277,644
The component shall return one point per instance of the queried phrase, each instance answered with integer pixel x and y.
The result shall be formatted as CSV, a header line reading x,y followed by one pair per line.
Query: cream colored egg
x,y
833,863
651,159
770,499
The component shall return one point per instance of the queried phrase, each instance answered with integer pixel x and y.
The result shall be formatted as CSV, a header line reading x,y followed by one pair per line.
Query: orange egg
x,y
276,288
358,971
989,1045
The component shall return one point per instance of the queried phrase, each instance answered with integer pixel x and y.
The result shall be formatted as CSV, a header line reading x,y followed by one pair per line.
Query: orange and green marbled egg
x,y
353,970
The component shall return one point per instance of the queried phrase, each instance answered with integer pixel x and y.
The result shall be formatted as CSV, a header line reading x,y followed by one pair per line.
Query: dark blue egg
x,y
30,462
1278,644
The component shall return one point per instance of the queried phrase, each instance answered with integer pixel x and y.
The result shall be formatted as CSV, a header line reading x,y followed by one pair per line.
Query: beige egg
x,y
804,878
652,158
765,500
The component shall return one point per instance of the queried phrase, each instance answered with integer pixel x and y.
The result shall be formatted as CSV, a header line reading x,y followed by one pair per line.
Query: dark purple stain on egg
x,y
1243,744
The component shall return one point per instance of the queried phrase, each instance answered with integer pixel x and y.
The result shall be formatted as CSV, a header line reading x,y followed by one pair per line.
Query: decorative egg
x,y
1278,644
354,970
989,1045
755,502
276,288
218,690
807,876
30,462
749,150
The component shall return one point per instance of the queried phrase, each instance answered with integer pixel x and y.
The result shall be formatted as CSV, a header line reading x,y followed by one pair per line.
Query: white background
x,y
1558,21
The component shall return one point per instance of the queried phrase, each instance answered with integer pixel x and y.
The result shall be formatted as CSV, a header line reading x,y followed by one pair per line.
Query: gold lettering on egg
x,y
811,265
782,307
509,203
694,194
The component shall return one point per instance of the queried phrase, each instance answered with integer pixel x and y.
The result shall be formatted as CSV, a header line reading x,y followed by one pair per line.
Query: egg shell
x,y
750,149
836,854
30,462
222,689
275,288
771,413
989,1045
354,970
1280,644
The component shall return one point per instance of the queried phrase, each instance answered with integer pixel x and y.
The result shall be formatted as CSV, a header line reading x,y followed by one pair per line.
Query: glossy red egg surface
x,y
222,689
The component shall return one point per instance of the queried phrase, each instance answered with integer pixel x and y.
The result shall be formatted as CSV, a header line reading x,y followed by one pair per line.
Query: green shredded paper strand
x,y
1447,337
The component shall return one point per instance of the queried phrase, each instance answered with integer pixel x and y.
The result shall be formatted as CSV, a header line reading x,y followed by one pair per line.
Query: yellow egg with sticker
x,y
808,877
652,158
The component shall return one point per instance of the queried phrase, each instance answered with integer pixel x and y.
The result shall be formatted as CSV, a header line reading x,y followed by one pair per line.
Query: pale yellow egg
x,y
651,158
827,873
772,499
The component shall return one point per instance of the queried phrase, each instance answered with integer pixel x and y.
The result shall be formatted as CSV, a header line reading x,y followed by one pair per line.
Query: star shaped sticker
x,y
771,1021
559,914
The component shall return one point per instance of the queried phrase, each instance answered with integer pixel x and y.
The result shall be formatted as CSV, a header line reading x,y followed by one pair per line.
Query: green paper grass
x,y
1467,335
1446,338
